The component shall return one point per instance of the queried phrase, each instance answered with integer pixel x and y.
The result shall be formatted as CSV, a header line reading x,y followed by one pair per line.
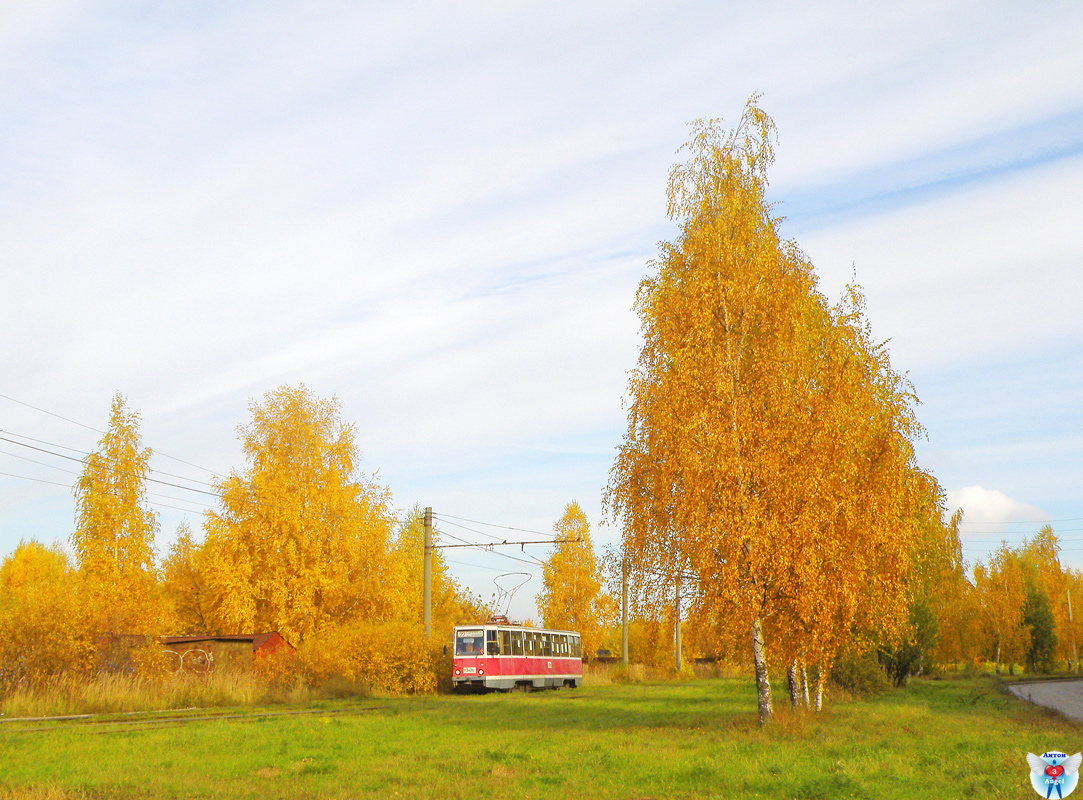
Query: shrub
x,y
392,656
859,674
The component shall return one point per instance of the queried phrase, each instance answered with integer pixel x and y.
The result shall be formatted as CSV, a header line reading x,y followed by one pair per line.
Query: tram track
x,y
126,721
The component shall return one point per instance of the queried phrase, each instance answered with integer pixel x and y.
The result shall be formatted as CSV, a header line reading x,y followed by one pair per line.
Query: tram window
x,y
562,645
492,644
546,648
532,644
469,643
505,643
516,643
576,653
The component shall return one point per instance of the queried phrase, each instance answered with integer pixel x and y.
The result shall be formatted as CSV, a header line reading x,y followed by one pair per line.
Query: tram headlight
x,y
456,672
481,672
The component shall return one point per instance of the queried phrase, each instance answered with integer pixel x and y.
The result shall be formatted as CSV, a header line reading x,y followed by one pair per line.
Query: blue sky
x,y
440,214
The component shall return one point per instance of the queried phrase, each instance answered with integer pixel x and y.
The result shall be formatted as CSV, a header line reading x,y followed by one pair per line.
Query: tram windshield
x,y
470,643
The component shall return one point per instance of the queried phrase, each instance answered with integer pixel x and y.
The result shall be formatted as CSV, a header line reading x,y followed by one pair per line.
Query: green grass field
x,y
935,739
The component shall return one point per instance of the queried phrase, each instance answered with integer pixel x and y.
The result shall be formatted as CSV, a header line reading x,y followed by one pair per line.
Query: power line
x,y
80,461
472,530
474,566
505,541
69,487
965,521
42,441
491,525
51,414
1018,534
40,463
1061,550
36,480
98,430
490,545
486,546
73,472
84,453
496,539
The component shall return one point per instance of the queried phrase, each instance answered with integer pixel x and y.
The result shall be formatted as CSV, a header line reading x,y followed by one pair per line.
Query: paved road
x,y
1063,696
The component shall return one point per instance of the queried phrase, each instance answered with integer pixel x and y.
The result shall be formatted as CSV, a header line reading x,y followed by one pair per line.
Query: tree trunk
x,y
791,678
997,667
763,682
820,675
804,682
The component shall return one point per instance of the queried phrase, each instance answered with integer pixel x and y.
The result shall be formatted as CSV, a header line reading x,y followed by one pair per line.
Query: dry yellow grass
x,y
112,693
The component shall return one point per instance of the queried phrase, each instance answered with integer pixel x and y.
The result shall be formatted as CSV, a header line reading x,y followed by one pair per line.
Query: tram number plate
x,y
469,670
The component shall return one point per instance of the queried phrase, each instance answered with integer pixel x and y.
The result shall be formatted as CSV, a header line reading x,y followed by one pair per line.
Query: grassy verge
x,y
942,739
107,694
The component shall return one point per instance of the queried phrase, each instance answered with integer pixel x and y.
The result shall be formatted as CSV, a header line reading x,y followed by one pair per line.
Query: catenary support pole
x,y
428,572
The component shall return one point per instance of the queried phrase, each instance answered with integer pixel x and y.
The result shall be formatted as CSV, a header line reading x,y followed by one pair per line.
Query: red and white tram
x,y
496,655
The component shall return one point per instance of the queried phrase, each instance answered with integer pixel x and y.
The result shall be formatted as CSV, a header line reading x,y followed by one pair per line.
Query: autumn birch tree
x,y
706,398
571,597
43,619
183,584
302,539
768,445
114,531
1002,597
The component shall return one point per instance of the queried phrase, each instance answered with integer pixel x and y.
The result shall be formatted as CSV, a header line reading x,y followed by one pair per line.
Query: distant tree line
x,y
302,542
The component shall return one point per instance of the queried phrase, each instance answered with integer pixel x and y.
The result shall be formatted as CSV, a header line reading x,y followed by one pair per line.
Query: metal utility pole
x,y
624,612
677,632
428,572
1071,627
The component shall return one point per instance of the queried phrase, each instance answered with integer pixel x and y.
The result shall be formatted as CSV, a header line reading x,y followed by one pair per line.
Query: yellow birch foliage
x,y
650,640
114,533
302,540
451,605
390,654
859,508
1041,555
943,585
768,445
43,630
1071,636
1002,597
183,584
571,596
